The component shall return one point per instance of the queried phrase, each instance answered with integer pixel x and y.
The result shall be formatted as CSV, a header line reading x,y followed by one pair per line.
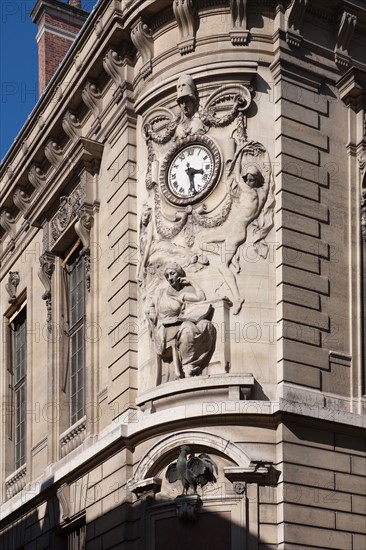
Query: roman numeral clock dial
x,y
190,172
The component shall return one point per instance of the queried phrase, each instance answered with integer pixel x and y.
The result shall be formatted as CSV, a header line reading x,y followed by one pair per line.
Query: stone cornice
x,y
86,154
264,413
352,86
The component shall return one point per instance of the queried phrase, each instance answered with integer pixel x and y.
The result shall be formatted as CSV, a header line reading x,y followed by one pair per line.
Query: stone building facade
x,y
182,242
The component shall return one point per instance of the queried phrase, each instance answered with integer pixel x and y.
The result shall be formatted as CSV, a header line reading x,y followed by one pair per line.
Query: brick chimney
x,y
58,25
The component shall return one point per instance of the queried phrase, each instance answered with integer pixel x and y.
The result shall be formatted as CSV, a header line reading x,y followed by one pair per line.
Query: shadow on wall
x,y
143,525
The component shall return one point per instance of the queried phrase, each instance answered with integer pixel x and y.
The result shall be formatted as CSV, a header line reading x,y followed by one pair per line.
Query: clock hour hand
x,y
191,172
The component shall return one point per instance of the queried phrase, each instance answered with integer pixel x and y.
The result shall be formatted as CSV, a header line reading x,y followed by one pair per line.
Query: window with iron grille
x,y
19,372
75,270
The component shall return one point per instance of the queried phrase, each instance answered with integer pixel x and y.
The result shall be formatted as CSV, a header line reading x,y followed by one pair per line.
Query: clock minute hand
x,y
191,172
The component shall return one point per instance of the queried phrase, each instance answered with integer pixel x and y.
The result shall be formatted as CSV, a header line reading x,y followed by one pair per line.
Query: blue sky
x,y
18,67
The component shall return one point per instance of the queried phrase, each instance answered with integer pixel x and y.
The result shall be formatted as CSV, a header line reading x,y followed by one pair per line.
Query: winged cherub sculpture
x,y
196,471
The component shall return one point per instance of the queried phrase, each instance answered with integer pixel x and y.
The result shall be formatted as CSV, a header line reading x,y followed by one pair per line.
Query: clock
x,y
190,171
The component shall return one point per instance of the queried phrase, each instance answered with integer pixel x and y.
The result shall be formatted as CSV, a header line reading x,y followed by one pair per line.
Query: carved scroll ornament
x,y
37,177
143,42
71,125
53,152
92,97
7,222
21,199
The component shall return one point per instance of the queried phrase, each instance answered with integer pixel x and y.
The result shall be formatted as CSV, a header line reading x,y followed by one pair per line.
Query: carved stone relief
x,y
70,207
180,323
83,226
47,267
187,162
12,286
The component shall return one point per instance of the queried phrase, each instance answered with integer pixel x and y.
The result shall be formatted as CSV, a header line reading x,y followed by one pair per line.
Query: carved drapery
x,y
143,42
345,33
185,16
296,14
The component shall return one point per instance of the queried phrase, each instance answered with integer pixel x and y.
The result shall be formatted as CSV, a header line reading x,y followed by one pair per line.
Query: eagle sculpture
x,y
196,471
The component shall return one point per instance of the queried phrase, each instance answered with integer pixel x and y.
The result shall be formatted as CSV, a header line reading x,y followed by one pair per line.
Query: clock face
x,y
190,171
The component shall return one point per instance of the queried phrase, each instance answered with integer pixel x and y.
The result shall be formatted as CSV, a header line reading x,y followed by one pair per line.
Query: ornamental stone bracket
x,y
92,98
345,33
239,33
83,227
145,489
12,286
184,13
143,42
7,222
16,481
63,497
47,267
37,177
53,152
114,66
258,472
21,199
187,508
296,13
71,125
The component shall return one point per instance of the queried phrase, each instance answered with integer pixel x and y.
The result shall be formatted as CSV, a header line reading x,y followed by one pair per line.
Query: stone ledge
x,y
231,381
